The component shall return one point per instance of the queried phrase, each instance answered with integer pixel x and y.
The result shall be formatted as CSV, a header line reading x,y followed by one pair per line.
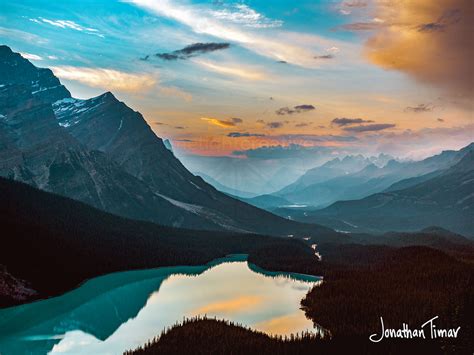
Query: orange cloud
x,y
222,123
429,40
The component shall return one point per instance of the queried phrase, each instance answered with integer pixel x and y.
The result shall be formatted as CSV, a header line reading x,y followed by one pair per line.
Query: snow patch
x,y
44,89
192,183
69,110
185,206
350,224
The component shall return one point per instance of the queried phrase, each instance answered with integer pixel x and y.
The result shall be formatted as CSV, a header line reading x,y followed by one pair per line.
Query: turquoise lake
x,y
117,312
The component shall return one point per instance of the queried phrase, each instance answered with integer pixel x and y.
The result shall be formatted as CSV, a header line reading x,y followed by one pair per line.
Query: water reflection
x,y
116,312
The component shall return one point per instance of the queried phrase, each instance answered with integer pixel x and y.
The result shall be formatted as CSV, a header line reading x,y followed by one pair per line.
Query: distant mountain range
x,y
101,152
252,175
334,168
444,198
356,177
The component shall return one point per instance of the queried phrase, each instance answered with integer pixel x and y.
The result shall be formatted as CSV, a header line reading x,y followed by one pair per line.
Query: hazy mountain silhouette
x,y
445,200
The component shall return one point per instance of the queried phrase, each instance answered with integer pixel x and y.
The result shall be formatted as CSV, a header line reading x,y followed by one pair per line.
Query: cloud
x,y
275,124
108,79
21,35
223,123
354,3
419,108
297,109
68,24
192,50
244,134
302,124
237,70
361,26
313,138
343,121
429,40
348,6
166,124
287,151
324,56
369,127
205,21
30,56
448,18
302,108
183,140
421,143
244,15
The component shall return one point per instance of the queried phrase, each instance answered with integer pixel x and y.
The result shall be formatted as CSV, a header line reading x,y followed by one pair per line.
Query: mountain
x,y
101,152
369,180
329,170
253,175
406,183
446,200
36,150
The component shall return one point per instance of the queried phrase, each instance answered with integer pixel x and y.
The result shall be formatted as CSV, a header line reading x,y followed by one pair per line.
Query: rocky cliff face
x,y
14,69
35,149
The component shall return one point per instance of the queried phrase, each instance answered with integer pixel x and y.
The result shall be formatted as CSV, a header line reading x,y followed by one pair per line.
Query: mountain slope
x,y
101,152
446,200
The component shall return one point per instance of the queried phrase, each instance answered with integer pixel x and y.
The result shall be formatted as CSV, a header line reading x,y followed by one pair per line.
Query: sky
x,y
232,78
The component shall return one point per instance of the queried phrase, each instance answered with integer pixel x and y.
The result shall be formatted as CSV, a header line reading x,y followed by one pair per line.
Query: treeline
x,y
290,257
55,243
406,285
211,336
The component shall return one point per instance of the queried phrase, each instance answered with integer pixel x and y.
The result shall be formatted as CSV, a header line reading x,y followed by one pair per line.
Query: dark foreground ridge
x,y
51,244
212,336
